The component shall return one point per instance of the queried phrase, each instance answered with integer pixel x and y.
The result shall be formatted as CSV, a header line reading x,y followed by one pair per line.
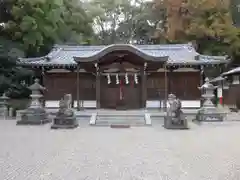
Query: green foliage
x,y
11,75
212,27
31,27
123,21
207,22
38,24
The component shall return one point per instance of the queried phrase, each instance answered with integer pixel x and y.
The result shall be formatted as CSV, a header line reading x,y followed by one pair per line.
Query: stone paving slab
x,y
205,152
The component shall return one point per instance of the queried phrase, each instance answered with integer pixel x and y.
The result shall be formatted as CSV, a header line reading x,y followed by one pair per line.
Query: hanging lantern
x,y
136,78
108,79
126,78
117,79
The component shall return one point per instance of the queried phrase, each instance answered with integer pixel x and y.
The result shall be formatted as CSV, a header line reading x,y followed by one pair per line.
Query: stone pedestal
x,y
35,114
208,112
65,118
209,115
175,118
170,123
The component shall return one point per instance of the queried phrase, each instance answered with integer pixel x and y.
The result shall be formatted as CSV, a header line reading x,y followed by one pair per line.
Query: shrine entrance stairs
x,y
120,118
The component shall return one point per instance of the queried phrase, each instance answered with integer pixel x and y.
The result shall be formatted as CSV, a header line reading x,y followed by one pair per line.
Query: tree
x,y
11,76
30,28
106,16
207,22
123,21
211,25
141,20
38,24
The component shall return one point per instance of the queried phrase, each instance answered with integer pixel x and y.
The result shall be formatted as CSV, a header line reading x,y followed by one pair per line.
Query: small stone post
x,y
208,112
35,113
3,106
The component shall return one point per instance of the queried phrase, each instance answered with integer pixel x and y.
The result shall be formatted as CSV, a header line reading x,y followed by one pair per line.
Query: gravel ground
x,y
206,152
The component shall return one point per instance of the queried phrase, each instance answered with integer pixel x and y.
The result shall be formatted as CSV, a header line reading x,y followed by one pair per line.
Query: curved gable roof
x,y
147,55
176,54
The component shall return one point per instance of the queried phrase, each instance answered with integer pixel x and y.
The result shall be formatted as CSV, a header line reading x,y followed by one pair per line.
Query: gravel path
x,y
206,152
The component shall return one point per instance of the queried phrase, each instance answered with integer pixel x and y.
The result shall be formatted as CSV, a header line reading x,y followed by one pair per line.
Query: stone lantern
x,y
35,113
3,106
208,112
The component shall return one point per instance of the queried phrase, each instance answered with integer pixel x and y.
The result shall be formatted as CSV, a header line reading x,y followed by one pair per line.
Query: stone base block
x,y
169,125
209,115
58,126
64,123
119,126
209,118
33,116
31,122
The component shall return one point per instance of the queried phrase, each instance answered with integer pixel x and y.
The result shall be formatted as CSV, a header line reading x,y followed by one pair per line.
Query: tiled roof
x,y
178,54
217,79
231,72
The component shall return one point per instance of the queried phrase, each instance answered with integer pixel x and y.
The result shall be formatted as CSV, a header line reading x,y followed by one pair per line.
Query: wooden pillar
x,y
221,85
78,90
144,87
169,79
44,79
98,87
165,86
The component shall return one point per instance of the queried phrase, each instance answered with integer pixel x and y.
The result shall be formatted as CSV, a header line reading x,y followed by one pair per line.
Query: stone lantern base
x,y
34,116
211,114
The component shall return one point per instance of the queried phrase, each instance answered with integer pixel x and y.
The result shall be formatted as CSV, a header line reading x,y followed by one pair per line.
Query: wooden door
x,y
120,97
132,97
109,94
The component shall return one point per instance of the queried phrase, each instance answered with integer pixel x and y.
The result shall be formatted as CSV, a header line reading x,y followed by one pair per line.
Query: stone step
x,y
157,118
84,118
110,118
119,120
119,114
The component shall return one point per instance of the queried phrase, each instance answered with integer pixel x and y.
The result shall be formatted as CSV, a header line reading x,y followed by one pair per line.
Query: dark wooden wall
x,y
58,84
183,84
231,96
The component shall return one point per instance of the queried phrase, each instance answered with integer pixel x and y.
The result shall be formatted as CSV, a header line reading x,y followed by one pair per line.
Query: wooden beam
x,y
98,87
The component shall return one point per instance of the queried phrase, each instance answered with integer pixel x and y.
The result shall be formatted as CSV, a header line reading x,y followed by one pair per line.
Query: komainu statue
x,y
65,117
175,118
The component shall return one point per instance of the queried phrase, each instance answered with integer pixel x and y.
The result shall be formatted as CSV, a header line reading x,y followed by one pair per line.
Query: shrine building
x,y
122,76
